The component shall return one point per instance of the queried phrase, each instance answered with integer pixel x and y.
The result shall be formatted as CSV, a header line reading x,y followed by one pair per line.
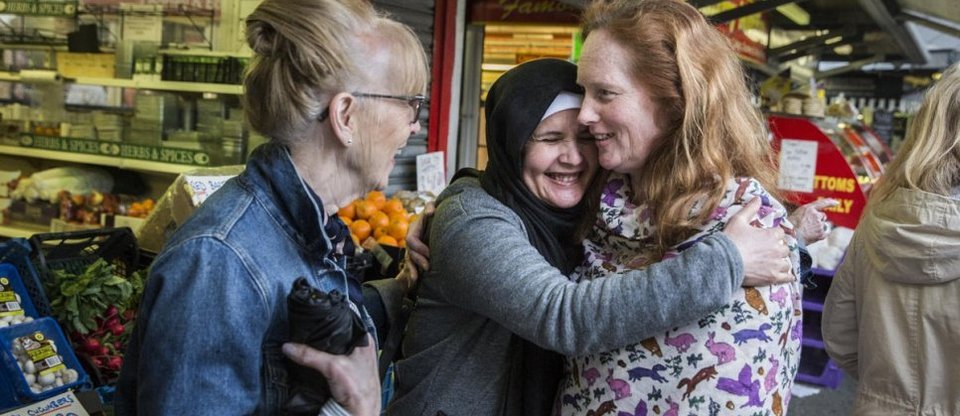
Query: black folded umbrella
x,y
323,321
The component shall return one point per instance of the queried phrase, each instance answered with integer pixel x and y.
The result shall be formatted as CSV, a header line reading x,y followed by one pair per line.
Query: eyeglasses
x,y
414,101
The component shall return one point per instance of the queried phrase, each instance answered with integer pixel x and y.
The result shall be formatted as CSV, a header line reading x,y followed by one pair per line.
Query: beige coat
x,y
892,316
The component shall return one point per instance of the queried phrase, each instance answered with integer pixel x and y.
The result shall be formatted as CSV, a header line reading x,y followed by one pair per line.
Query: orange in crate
x,y
377,198
379,220
398,229
361,229
393,206
398,216
349,211
388,241
365,209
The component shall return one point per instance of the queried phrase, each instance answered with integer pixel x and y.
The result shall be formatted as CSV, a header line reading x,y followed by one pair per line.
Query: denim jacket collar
x,y
277,186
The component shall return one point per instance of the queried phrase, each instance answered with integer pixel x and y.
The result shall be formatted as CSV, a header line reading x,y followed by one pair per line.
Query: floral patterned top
x,y
739,360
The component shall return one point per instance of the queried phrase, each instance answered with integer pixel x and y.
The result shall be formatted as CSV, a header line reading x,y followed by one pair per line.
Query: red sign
x,y
745,47
834,177
735,30
523,11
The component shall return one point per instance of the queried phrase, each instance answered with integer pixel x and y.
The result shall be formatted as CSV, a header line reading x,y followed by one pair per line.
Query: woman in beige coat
x,y
892,316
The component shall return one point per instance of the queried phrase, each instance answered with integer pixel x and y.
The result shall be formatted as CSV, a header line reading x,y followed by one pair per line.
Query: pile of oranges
x,y
375,216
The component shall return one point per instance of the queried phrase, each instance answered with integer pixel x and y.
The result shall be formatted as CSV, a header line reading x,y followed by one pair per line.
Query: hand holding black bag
x,y
324,321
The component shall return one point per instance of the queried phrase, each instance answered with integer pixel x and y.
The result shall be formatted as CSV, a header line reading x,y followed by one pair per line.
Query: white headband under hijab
x,y
564,101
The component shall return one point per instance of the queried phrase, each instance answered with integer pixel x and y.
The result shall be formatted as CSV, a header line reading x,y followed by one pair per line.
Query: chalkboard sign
x,y
883,125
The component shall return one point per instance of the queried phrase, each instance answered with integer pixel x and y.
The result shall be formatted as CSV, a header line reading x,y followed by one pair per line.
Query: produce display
x,y
14,319
97,309
41,364
87,208
12,306
375,216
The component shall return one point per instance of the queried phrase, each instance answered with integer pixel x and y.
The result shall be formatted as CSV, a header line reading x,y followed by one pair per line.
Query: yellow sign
x,y
93,65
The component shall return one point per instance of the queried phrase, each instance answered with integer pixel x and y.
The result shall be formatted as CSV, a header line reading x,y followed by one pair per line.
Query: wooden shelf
x,y
163,85
131,164
22,230
143,84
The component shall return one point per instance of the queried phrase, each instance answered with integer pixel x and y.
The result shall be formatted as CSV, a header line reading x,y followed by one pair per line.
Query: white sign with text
x,y
798,165
62,404
430,176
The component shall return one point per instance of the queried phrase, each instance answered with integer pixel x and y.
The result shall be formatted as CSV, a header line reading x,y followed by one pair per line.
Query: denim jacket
x,y
214,315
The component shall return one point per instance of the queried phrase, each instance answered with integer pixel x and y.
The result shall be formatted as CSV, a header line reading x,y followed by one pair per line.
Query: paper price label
x,y
798,165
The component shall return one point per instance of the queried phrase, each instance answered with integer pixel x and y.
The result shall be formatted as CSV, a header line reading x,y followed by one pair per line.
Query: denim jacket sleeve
x,y
200,333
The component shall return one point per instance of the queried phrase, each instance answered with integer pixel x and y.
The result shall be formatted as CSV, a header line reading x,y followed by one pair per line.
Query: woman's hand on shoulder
x,y
766,257
417,257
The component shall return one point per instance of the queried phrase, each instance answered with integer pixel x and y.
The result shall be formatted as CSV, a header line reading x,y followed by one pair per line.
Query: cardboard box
x,y
184,195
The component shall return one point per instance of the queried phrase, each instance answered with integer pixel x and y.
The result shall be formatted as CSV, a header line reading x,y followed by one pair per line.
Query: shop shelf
x,y
175,86
122,163
14,389
164,85
20,230
16,252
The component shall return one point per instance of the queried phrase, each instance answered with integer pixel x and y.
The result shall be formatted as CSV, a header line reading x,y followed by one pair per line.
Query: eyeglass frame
x,y
414,101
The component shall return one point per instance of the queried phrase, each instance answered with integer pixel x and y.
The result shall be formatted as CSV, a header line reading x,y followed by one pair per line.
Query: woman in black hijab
x,y
496,300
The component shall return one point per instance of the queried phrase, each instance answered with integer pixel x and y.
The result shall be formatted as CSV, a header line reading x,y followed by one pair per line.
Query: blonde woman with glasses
x,y
338,88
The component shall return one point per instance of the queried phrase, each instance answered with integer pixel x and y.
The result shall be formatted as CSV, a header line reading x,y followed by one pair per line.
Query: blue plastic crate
x,y
16,252
10,279
17,383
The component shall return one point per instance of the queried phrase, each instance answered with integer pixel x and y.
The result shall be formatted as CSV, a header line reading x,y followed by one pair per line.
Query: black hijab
x,y
515,104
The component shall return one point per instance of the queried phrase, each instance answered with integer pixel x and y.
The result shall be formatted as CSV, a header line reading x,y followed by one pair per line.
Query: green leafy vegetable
x,y
78,300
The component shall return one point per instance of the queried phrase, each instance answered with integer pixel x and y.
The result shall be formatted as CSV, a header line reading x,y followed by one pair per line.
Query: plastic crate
x,y
17,392
816,367
816,288
74,251
16,252
10,278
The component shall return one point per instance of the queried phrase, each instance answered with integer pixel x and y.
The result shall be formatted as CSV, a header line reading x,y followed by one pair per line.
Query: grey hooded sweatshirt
x,y
487,285
892,316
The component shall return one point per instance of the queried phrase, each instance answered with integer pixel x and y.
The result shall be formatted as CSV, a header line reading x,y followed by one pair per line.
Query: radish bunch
x,y
97,307
104,344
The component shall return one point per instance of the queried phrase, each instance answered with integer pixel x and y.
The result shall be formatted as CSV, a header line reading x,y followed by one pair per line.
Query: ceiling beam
x,y
813,50
853,66
943,25
703,3
808,42
905,39
749,9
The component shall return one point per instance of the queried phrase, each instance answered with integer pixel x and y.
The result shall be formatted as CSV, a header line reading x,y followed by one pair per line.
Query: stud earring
x,y
349,141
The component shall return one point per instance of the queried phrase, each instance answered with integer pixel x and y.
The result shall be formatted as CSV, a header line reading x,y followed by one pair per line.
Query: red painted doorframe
x,y
444,52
